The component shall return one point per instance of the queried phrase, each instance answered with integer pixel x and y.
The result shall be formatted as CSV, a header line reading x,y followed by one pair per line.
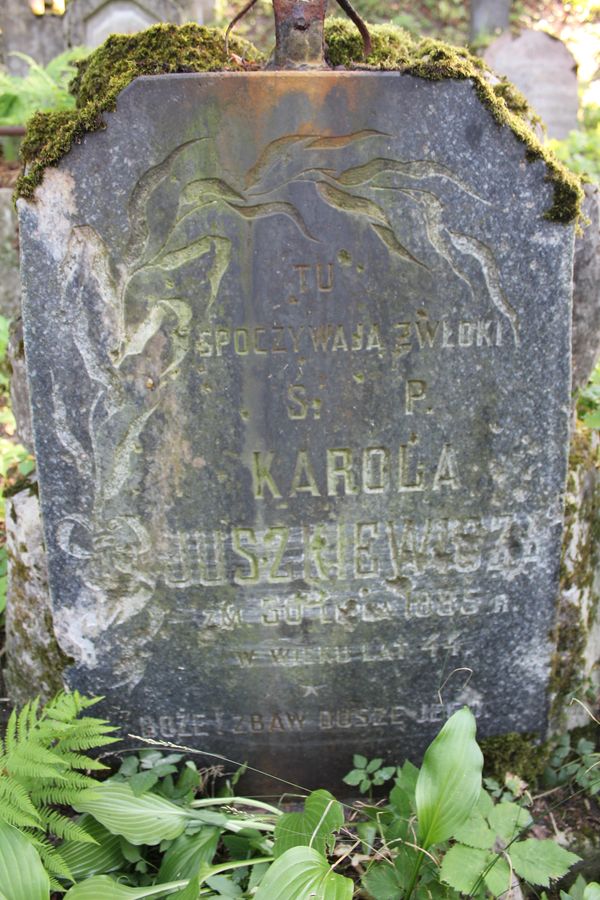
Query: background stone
x,y
545,71
586,290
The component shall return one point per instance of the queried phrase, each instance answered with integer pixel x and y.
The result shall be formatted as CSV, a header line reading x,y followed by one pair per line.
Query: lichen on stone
x,y
164,49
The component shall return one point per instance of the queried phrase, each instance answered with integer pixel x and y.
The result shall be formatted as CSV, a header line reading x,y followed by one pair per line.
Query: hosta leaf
x,y
22,874
102,887
539,862
303,874
508,819
188,853
142,820
314,827
462,866
449,781
85,860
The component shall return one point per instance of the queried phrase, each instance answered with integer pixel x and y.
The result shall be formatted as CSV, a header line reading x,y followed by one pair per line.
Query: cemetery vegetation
x,y
153,829
164,49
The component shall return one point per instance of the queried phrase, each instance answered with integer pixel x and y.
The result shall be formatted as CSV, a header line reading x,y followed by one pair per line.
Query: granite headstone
x,y
489,16
545,71
289,339
86,23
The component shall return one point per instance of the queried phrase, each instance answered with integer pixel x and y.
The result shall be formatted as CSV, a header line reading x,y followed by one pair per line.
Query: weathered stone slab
x,y
289,341
86,23
545,71
586,290
489,16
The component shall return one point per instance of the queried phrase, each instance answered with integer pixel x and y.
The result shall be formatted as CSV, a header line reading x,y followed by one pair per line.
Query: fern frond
x,y
58,796
63,827
10,735
51,857
16,807
79,761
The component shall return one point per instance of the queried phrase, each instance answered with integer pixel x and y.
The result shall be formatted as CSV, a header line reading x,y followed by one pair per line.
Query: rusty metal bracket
x,y
299,42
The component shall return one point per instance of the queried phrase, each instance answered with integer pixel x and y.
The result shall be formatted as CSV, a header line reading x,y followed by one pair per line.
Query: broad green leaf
x,y
592,891
373,766
449,782
359,761
303,874
382,882
354,777
22,874
539,862
102,887
191,892
142,820
224,886
485,804
188,853
312,828
475,832
508,819
462,866
85,860
402,795
498,877
577,888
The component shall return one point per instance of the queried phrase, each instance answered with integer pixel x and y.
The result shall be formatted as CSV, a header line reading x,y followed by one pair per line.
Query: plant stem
x,y
415,875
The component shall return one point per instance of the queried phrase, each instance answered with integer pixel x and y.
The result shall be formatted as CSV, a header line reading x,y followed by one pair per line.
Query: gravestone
x,y
545,71
86,23
298,461
489,16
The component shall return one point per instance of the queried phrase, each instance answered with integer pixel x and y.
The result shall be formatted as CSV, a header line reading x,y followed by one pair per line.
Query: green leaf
x,y
303,874
475,832
462,866
85,860
188,853
142,820
538,862
102,887
508,819
22,874
354,777
373,766
449,782
364,785
359,762
402,795
485,804
312,828
499,876
382,882
592,891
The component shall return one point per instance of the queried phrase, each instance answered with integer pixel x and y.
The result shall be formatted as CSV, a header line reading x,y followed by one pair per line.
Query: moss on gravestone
x,y
394,49
164,49
520,754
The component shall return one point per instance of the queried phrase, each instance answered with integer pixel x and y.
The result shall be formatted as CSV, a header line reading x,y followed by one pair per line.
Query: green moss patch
x,y
520,754
159,50
165,49
395,50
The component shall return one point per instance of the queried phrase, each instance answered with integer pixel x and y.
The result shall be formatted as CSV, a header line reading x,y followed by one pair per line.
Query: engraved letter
x,y
446,474
261,475
339,468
